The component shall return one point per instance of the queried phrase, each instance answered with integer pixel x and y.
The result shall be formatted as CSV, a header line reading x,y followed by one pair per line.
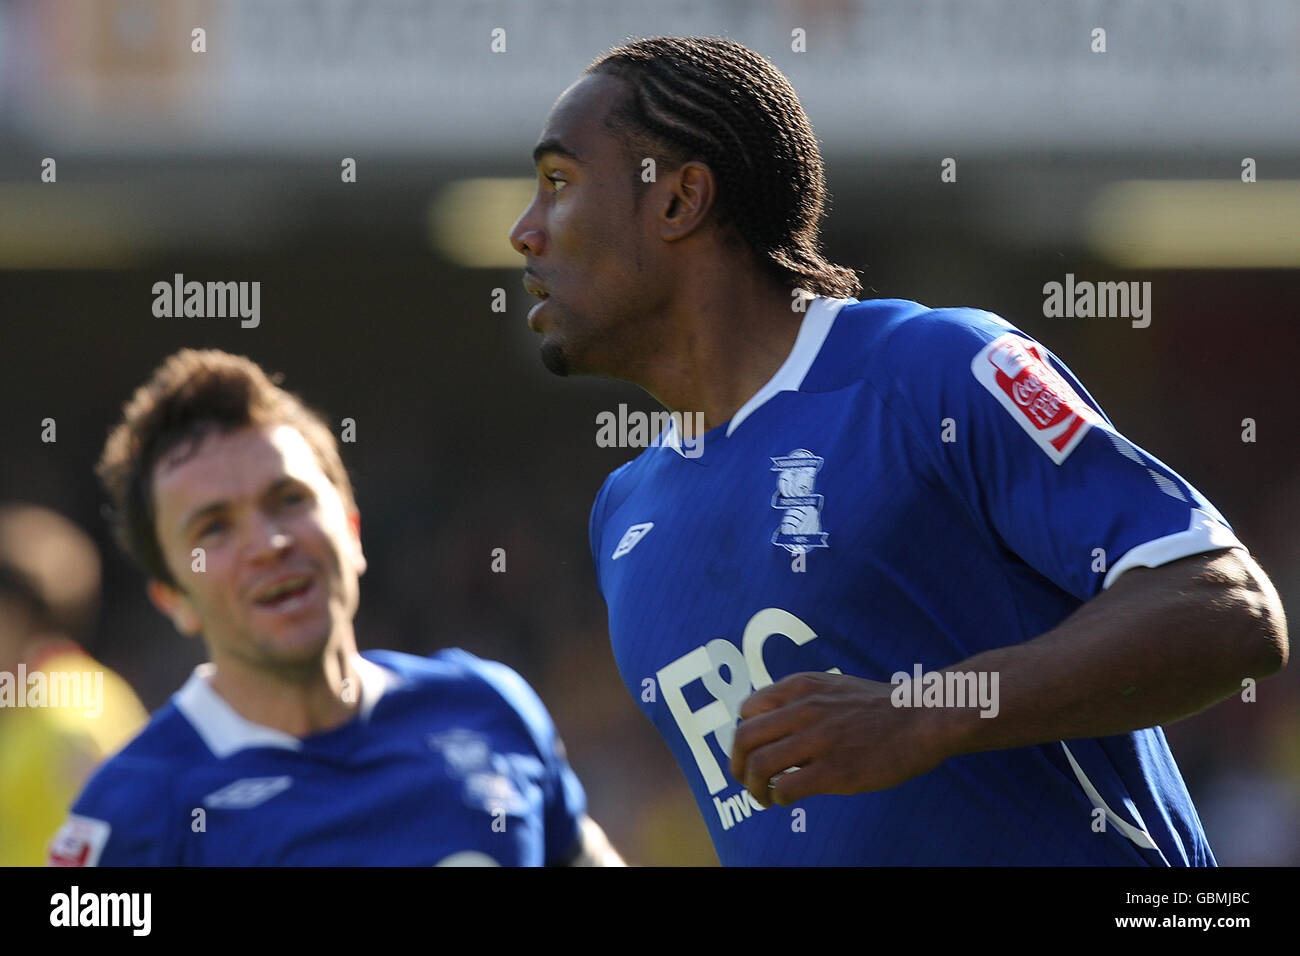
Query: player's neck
x,y
724,342
300,701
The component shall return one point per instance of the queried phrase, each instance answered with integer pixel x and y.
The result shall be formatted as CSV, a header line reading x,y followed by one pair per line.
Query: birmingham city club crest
x,y
800,529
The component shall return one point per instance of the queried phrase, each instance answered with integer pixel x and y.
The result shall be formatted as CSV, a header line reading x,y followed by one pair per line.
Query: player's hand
x,y
843,733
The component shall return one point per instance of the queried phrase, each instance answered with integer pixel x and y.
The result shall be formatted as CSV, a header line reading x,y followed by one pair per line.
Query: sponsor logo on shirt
x,y
631,538
746,671
1016,373
800,528
464,750
247,793
79,841
487,778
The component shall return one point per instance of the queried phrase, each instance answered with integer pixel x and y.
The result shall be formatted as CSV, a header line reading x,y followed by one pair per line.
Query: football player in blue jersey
x,y
289,747
912,578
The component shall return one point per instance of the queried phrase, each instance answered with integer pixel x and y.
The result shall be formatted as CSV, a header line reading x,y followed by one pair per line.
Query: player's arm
x,y
573,838
1159,645
1046,477
592,847
122,818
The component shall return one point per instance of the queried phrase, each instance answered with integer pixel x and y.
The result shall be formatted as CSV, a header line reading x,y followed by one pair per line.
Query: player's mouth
x,y
286,595
533,286
533,312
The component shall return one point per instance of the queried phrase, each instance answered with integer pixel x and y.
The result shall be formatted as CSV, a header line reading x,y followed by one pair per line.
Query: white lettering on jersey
x,y
631,538
1017,374
746,673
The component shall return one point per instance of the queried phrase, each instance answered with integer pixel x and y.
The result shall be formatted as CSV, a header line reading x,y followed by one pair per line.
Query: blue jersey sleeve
x,y
1042,470
595,526
600,510
122,818
566,802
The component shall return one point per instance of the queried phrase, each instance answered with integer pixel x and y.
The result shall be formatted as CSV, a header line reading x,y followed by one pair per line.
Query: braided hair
x,y
721,103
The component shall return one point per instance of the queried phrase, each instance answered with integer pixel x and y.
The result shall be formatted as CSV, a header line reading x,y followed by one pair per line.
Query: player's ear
x,y
358,557
691,191
175,605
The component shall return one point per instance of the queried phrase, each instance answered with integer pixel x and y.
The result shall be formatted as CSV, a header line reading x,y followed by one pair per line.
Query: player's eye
x,y
212,527
556,182
293,497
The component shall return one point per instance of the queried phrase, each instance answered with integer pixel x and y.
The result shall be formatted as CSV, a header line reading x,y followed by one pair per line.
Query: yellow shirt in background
x,y
48,752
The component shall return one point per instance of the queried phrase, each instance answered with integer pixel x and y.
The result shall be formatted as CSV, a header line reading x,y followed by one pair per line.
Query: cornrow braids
x,y
721,103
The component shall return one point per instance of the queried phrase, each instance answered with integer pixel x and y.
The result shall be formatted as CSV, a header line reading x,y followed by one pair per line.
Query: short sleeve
x,y
1013,433
565,800
119,820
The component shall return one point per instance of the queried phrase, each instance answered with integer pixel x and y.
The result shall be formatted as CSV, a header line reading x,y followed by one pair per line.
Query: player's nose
x,y
265,538
526,234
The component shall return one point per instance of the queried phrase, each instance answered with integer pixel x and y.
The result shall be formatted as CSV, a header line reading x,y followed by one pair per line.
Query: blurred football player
x,y
289,747
914,580
61,711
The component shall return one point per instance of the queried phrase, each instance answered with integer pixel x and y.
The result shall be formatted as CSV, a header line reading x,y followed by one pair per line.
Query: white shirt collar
x,y
814,328
226,732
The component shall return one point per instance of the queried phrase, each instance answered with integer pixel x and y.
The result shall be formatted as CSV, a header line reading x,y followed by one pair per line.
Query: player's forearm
x,y
594,846
1161,644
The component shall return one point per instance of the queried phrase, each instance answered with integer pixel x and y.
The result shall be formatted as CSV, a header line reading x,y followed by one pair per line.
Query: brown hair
x,y
193,393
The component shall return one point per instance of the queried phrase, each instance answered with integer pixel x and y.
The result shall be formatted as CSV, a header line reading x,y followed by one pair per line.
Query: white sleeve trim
x,y
1203,534
1138,834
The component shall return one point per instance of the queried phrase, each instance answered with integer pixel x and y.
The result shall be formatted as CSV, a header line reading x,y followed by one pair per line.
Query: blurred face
x,y
281,557
582,240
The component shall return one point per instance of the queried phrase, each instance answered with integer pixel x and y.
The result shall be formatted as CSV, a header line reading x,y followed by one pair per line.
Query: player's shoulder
x,y
454,673
449,665
128,798
619,484
166,744
954,331
887,340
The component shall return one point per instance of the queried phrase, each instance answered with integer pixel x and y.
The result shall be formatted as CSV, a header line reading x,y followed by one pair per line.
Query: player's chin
x,y
554,358
299,647
301,640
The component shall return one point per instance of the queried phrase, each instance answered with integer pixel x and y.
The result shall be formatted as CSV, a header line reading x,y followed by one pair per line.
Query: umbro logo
x,y
631,538
247,793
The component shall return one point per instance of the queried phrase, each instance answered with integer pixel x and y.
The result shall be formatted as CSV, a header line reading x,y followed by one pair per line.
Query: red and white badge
x,y
1015,371
79,842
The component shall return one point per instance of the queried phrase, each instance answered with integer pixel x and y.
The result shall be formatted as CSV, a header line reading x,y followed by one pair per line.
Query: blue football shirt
x,y
912,487
451,760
